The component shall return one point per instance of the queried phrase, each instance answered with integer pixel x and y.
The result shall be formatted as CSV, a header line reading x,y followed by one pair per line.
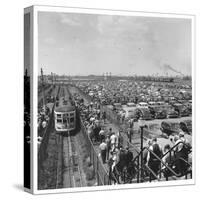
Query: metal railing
x,y
102,175
150,171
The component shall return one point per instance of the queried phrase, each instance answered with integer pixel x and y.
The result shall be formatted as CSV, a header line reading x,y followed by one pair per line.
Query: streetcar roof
x,y
67,108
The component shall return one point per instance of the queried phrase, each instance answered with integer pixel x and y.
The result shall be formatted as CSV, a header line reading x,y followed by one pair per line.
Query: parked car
x,y
185,112
132,113
144,113
168,128
162,114
131,104
158,111
142,105
172,113
186,126
152,103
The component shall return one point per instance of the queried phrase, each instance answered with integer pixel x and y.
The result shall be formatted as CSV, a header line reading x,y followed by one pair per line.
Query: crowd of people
x,y
114,154
109,141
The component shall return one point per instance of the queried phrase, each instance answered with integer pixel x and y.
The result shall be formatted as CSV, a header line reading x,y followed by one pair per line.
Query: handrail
x,y
176,146
139,154
185,161
152,172
163,154
171,170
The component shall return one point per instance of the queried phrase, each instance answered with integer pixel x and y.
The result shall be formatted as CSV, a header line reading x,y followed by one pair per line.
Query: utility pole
x,y
52,77
42,79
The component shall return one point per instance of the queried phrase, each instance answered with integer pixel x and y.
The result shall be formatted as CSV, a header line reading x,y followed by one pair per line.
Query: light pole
x,y
130,132
141,123
131,129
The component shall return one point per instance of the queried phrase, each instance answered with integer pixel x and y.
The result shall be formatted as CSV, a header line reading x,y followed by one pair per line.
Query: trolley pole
x,y
52,77
42,79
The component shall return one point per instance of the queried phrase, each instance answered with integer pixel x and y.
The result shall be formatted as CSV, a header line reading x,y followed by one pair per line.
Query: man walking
x,y
103,149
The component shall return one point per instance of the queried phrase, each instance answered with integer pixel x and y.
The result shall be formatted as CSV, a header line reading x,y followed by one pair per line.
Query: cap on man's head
x,y
181,134
175,138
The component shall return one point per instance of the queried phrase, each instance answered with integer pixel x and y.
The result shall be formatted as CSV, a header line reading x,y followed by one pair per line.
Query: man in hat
x,y
181,140
152,160
182,151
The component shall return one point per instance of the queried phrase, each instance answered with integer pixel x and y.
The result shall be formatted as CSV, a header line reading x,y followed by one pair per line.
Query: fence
x,y
102,174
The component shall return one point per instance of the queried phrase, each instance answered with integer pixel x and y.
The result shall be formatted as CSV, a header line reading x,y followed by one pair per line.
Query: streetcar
x,y
64,116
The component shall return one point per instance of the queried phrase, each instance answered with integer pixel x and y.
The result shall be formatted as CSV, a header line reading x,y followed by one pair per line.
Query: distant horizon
x,y
114,75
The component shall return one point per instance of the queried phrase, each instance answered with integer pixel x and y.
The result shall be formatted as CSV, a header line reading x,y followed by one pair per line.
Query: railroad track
x,y
72,172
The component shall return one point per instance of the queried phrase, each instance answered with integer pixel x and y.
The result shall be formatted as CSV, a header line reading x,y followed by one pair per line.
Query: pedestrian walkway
x,y
132,147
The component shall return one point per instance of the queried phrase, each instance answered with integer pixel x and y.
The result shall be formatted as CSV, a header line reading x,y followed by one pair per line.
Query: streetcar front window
x,y
65,115
71,119
59,115
59,120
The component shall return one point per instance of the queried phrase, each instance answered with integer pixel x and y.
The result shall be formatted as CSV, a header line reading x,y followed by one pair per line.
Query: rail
x,y
172,148
139,168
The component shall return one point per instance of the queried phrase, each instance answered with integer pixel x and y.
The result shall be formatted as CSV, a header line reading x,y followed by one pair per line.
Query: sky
x,y
84,44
